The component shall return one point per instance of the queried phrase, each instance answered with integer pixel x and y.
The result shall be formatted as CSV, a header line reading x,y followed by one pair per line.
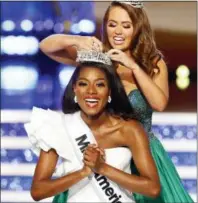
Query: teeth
x,y
118,38
91,100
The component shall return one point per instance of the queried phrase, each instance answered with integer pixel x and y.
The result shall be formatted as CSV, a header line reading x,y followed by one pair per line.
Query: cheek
x,y
79,92
104,94
109,32
129,34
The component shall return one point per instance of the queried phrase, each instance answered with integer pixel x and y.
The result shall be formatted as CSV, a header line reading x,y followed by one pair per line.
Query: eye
x,y
112,24
101,84
127,26
82,83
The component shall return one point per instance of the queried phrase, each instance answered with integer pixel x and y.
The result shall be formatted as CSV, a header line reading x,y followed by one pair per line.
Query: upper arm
x,y
60,48
138,143
64,56
161,78
46,165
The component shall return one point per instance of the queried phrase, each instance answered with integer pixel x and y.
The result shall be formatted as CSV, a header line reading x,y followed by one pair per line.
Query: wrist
x,y
102,169
72,40
83,173
135,68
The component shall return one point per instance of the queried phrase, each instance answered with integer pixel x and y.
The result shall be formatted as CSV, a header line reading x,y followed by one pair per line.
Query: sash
x,y
80,136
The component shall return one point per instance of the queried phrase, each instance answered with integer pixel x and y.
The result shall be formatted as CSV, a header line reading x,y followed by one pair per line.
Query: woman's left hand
x,y
119,56
93,158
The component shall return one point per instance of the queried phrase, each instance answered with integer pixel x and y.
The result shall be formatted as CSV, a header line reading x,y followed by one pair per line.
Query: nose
x,y
118,30
91,89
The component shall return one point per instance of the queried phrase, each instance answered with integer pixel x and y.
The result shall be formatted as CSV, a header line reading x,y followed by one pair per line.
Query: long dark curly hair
x,y
143,47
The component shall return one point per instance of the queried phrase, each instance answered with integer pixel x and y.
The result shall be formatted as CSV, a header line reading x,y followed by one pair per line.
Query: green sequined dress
x,y
172,190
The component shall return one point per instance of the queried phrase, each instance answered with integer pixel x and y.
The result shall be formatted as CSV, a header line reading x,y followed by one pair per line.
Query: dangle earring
x,y
75,99
109,99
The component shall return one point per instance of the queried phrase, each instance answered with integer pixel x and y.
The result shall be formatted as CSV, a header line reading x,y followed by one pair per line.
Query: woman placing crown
x,y
128,39
93,124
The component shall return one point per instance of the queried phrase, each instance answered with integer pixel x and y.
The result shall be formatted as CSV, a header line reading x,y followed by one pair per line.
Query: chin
x,y
92,113
119,47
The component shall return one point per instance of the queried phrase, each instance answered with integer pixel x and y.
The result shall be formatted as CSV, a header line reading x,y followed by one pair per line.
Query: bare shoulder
x,y
131,129
161,64
161,71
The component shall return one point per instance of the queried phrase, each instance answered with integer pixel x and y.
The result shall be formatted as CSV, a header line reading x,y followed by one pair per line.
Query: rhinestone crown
x,y
93,56
135,4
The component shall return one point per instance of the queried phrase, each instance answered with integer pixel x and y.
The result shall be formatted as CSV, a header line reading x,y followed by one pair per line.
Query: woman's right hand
x,y
88,43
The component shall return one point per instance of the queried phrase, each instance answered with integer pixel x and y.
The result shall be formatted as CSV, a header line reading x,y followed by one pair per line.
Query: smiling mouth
x,y
118,40
91,102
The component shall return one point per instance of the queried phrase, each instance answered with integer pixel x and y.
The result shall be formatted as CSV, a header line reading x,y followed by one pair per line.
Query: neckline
x,y
134,90
89,130
117,148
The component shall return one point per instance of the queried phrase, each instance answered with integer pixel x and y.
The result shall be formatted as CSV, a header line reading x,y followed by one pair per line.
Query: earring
x,y
75,99
109,99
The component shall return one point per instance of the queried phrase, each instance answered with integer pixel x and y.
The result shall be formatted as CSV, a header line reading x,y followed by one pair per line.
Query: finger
x,y
114,51
92,145
90,149
89,154
115,58
89,164
95,151
101,153
103,158
96,40
87,158
92,43
100,150
96,44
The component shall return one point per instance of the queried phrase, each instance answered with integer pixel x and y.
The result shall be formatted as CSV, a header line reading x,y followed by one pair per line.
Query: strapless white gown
x,y
84,192
45,131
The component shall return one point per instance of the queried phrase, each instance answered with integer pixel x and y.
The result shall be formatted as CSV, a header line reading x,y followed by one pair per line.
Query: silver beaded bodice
x,y
142,110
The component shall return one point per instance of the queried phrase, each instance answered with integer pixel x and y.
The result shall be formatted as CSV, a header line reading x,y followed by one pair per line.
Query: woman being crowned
x,y
95,137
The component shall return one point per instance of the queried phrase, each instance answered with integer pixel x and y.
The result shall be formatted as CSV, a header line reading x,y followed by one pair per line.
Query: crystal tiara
x,y
93,56
135,4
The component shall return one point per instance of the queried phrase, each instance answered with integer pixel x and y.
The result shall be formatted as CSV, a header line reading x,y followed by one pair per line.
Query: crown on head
x,y
93,56
135,4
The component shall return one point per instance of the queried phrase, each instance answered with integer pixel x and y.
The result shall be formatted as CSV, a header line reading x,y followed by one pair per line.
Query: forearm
x,y
133,183
57,42
154,95
47,188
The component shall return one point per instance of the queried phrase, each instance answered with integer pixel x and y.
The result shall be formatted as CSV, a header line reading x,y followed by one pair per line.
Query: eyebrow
x,y
87,79
122,21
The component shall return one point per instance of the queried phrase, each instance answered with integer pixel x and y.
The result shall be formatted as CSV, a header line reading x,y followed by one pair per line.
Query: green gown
x,y
172,190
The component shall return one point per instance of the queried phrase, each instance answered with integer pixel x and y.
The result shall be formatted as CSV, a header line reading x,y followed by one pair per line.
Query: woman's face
x,y
119,29
91,90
